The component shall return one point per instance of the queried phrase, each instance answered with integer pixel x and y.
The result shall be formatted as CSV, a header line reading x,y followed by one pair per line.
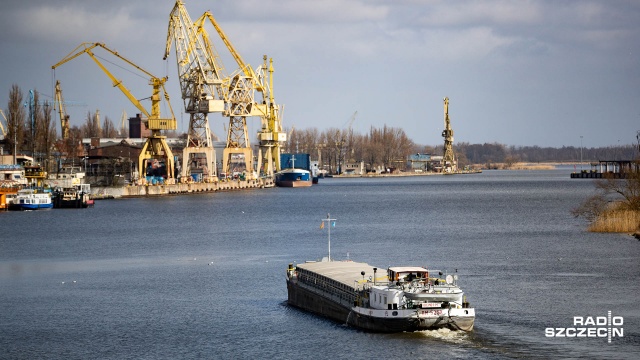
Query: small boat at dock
x,y
31,199
72,197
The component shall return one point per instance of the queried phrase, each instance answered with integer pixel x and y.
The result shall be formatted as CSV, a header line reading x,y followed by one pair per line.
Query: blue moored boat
x,y
30,199
293,177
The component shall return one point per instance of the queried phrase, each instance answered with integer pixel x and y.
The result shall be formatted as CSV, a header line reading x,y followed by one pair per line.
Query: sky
x,y
547,72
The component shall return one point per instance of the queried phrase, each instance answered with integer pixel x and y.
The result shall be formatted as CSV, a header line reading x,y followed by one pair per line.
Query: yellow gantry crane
x,y
3,131
271,135
204,91
449,163
155,148
64,118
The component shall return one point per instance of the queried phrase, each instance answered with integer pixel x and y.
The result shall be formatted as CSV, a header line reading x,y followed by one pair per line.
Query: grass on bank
x,y
519,166
616,220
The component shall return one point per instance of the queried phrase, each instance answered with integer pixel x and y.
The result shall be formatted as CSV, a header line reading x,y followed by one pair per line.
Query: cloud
x,y
325,11
480,13
75,24
384,58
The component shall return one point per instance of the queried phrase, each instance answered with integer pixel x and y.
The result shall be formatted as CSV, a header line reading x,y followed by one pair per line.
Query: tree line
x,y
31,128
387,147
390,147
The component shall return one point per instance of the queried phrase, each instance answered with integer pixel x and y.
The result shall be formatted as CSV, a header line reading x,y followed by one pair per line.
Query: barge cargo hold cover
x,y
361,296
326,288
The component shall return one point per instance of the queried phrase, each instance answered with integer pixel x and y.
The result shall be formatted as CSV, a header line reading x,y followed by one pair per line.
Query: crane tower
x,y
271,134
202,86
449,162
3,131
155,148
64,118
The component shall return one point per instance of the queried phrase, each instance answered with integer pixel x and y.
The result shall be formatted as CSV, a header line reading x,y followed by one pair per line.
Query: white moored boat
x,y
30,199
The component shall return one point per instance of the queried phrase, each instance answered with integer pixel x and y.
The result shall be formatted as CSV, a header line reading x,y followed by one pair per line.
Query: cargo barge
x,y
403,299
292,175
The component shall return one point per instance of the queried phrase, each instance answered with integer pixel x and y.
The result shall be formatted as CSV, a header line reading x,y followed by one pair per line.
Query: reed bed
x,y
616,220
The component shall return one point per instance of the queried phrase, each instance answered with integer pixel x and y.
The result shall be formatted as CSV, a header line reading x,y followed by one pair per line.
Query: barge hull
x,y
311,301
450,319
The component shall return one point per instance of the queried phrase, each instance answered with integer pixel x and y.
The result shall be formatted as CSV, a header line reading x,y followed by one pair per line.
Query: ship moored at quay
x,y
403,299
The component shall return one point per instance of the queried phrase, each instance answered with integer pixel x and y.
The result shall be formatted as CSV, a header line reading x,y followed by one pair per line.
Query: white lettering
x,y
590,326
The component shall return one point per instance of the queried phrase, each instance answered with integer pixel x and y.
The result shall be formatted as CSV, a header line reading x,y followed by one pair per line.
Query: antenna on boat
x,y
330,222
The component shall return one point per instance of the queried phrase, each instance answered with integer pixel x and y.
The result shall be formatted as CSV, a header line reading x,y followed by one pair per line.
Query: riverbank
x,y
405,174
523,166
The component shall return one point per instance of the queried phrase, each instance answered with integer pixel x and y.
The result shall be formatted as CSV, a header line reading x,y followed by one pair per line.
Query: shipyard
x,y
143,161
140,158
147,156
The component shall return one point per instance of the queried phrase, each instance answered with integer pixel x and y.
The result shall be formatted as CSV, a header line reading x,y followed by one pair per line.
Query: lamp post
x,y
330,222
580,152
15,141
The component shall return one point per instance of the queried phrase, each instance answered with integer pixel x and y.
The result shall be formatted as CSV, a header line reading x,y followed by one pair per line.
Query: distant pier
x,y
611,169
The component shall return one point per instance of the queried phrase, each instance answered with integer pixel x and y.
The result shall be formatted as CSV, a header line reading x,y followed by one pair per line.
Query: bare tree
x,y
108,128
31,129
624,193
91,126
73,144
627,190
45,130
16,116
591,208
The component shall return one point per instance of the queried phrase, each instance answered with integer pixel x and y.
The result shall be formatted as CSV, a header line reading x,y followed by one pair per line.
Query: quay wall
x,y
176,189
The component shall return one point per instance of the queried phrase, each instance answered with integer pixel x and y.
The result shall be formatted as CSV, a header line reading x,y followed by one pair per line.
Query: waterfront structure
x,y
617,169
354,168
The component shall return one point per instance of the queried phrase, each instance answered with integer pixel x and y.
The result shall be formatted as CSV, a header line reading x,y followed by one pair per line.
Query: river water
x,y
203,276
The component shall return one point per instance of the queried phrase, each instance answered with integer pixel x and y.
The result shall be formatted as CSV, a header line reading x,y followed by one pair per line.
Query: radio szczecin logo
x,y
592,327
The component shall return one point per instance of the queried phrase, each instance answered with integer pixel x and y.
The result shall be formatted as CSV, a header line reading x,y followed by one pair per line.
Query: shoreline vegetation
x,y
523,166
615,206
616,220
